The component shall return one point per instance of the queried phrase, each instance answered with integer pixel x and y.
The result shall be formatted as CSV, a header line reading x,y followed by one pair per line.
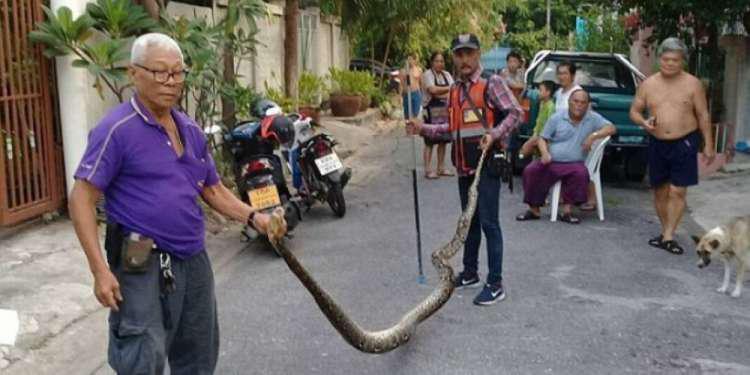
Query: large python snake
x,y
387,339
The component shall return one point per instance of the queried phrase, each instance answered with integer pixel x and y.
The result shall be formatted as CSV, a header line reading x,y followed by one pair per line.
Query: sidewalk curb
x,y
363,118
735,168
708,203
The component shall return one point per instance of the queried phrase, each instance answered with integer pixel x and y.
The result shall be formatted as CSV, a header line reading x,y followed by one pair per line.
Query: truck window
x,y
593,75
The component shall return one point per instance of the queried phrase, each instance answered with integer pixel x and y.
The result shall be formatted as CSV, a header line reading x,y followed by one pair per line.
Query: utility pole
x,y
549,28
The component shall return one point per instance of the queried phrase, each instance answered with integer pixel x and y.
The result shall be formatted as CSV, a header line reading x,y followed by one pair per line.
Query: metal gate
x,y
30,175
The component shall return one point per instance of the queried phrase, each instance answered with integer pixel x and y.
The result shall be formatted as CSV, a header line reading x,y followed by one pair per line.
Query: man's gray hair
x,y
673,45
142,44
588,96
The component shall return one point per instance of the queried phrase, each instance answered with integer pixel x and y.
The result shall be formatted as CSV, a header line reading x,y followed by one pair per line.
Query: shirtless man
x,y
411,87
676,103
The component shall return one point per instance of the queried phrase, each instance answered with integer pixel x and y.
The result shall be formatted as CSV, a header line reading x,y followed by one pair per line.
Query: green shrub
x,y
347,82
343,82
276,95
312,89
364,83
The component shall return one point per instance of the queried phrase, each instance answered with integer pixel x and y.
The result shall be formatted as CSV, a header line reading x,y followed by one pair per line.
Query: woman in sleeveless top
x,y
436,84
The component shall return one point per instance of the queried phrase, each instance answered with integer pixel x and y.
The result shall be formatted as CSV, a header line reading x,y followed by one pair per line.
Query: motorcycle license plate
x,y
328,163
264,197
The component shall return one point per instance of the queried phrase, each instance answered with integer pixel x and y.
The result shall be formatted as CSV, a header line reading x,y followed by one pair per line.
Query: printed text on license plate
x,y
264,197
328,163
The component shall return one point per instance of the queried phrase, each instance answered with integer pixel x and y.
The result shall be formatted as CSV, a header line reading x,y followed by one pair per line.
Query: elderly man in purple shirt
x,y
151,162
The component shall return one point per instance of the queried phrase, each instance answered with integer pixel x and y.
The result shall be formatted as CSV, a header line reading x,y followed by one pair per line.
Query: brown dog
x,y
730,243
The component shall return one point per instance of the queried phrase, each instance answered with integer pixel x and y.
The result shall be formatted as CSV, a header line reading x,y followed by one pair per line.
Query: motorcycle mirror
x,y
273,111
215,132
211,130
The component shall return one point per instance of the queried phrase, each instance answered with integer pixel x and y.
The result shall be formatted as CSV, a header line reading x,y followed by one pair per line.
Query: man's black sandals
x,y
670,246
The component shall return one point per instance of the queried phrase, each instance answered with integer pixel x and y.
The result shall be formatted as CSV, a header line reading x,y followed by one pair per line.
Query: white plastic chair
x,y
593,164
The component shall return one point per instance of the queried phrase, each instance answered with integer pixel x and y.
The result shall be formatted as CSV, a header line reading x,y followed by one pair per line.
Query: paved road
x,y
581,299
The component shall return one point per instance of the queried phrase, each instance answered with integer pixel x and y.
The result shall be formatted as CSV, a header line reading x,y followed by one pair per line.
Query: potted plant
x,y
311,91
364,86
345,100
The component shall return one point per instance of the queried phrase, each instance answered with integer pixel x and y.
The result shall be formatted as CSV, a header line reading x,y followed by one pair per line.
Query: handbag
x,y
499,163
436,112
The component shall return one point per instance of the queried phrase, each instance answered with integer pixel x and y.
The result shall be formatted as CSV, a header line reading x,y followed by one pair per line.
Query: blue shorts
x,y
674,161
416,104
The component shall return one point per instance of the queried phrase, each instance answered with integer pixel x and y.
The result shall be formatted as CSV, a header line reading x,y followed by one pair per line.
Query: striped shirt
x,y
499,97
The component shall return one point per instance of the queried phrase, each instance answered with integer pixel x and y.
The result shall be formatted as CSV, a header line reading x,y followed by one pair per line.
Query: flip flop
x,y
588,207
656,241
570,219
431,176
672,247
446,173
528,215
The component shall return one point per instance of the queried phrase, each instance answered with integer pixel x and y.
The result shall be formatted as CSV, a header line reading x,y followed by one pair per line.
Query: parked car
x,y
612,81
377,68
373,66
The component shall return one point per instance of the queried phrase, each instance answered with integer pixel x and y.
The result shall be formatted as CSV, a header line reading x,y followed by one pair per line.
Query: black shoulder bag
x,y
499,161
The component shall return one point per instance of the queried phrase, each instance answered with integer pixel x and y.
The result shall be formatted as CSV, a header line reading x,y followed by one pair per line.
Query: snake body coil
x,y
388,339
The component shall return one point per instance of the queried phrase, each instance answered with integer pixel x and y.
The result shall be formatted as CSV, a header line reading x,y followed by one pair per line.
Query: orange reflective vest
x,y
466,127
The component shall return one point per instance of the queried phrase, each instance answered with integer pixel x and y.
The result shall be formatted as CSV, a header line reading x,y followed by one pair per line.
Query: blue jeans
x,y
296,171
487,219
416,104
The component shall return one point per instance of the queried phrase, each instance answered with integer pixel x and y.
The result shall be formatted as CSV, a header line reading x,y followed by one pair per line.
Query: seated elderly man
x,y
564,143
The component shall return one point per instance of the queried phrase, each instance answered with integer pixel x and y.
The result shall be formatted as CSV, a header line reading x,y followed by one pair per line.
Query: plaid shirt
x,y
499,97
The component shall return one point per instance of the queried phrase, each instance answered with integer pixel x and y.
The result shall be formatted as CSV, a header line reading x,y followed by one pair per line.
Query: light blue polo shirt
x,y
565,139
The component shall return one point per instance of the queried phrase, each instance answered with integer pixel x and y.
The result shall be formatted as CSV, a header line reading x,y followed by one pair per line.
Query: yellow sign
x,y
471,116
264,197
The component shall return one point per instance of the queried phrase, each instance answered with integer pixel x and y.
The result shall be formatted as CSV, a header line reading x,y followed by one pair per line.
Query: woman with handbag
x,y
436,84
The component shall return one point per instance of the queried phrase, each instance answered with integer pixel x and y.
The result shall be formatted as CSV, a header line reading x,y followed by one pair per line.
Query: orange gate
x,y
31,182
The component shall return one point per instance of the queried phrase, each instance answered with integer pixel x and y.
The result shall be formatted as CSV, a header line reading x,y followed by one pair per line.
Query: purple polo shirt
x,y
147,187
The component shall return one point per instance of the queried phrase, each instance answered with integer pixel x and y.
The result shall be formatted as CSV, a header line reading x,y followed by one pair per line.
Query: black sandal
x,y
528,215
672,247
656,241
570,219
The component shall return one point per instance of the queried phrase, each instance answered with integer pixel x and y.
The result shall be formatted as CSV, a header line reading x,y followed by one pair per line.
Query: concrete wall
x,y
325,44
81,108
737,83
80,104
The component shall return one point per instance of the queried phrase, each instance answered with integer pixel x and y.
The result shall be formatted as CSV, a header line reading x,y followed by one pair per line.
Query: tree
x,y
238,43
605,30
698,22
387,30
153,7
692,20
291,42
526,21
98,39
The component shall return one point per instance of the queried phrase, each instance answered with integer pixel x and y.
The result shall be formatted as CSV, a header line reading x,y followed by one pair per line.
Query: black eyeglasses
x,y
162,76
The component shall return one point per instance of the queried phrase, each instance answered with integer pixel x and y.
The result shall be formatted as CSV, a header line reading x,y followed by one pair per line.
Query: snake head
x,y
276,226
